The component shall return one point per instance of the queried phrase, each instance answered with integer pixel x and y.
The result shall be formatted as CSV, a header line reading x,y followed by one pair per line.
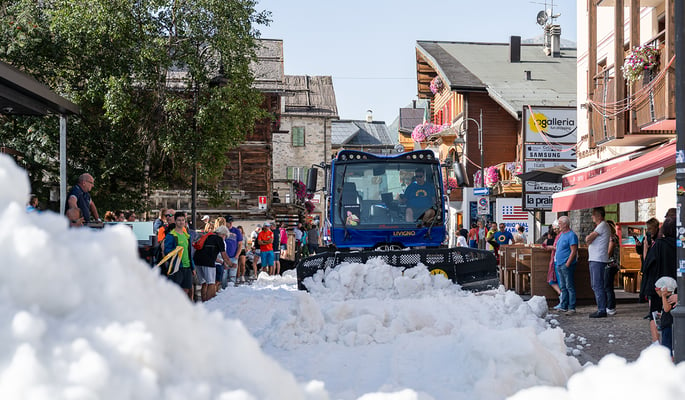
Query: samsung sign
x,y
550,125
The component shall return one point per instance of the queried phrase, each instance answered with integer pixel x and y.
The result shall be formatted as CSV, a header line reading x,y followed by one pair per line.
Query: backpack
x,y
200,243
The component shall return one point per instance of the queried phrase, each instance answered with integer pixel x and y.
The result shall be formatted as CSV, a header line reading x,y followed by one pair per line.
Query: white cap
x,y
205,218
666,282
267,224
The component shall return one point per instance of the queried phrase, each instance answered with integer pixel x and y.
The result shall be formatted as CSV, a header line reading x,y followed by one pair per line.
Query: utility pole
x,y
679,312
480,147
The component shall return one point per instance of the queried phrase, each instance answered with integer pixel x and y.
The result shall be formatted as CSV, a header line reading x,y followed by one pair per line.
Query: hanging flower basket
x,y
309,206
436,85
491,176
423,131
640,59
300,190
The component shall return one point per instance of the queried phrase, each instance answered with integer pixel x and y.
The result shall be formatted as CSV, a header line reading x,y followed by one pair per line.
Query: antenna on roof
x,y
546,16
542,18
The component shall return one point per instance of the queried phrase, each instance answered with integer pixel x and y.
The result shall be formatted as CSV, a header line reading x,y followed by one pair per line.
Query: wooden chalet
x,y
497,80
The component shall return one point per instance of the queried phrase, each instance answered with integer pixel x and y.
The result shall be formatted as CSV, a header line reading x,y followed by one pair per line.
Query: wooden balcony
x,y
603,122
646,117
654,95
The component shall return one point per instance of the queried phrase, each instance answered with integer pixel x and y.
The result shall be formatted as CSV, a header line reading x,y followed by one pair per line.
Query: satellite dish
x,y
542,18
399,148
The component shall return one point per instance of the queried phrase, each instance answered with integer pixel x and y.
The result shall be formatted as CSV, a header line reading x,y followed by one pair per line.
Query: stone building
x,y
304,138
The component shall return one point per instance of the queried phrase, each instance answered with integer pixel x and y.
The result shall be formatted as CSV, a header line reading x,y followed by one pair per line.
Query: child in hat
x,y
665,287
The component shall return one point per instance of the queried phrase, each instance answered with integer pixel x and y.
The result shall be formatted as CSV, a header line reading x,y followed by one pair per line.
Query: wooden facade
x,y
458,108
249,171
636,113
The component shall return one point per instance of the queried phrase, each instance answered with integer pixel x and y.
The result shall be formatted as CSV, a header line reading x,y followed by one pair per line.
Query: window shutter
x,y
298,136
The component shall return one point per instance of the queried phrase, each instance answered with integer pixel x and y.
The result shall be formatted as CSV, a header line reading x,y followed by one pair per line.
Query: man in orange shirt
x,y
265,241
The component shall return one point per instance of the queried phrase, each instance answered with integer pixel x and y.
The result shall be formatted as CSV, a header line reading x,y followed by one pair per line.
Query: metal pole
x,y
62,163
480,147
679,312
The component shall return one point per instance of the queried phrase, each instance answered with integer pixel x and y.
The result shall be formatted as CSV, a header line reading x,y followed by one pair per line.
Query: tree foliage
x,y
163,85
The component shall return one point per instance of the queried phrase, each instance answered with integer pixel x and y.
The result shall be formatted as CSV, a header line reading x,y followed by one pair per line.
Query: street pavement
x,y
625,334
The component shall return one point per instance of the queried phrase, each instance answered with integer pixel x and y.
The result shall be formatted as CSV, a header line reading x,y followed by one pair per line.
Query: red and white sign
x,y
262,202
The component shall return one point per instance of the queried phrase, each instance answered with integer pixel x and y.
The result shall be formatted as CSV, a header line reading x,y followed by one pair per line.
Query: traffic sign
x,y
483,206
262,202
481,191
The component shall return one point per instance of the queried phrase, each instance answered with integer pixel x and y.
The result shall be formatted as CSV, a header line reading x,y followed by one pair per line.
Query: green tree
x,y
163,86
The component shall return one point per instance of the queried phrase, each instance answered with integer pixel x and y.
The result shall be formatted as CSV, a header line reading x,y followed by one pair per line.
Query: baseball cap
x,y
267,224
229,218
666,282
205,218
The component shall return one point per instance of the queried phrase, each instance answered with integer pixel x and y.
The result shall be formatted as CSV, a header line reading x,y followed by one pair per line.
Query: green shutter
x,y
298,136
289,173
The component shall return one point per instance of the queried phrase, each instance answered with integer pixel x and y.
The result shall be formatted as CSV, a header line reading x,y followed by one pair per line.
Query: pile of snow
x,y
652,376
83,318
371,328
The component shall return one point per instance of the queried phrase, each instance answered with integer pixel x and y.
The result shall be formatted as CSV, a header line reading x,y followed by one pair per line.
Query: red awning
x,y
635,179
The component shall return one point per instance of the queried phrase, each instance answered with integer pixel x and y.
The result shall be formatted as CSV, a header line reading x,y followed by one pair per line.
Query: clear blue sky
x,y
369,46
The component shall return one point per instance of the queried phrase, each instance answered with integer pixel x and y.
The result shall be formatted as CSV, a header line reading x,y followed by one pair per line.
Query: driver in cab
x,y
420,198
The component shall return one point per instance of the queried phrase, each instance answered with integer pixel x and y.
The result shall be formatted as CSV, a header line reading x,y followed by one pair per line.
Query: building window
x,y
297,173
298,136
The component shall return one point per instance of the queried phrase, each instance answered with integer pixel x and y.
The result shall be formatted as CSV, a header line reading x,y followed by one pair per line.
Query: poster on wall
x,y
510,213
550,125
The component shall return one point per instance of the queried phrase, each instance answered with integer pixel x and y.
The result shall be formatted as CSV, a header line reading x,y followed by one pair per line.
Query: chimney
x,y
413,104
555,33
514,49
528,77
369,116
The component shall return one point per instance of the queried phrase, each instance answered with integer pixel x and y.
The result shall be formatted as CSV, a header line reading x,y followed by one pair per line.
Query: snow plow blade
x,y
473,269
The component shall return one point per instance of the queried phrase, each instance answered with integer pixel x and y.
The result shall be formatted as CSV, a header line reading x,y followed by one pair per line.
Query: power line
x,y
371,78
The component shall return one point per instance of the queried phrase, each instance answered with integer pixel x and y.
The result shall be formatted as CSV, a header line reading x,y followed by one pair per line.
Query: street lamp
x,y
463,131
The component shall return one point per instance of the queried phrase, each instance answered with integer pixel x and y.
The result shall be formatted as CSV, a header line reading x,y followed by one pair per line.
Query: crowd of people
x,y
657,253
219,253
478,237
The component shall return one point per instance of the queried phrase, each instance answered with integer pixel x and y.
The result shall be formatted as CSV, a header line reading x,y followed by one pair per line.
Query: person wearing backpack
x,y
206,251
178,237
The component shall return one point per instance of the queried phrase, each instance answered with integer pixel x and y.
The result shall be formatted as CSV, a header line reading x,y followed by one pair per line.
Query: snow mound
x,y
492,344
653,375
86,319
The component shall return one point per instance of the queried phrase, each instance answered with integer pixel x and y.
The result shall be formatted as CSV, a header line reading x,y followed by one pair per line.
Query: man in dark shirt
x,y
79,197
205,258
420,197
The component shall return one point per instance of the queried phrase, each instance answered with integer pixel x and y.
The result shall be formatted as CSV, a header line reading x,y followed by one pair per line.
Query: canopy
x,y
637,178
549,174
21,94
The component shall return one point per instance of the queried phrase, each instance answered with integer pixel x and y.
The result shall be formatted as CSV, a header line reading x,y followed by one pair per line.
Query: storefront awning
x,y
635,179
